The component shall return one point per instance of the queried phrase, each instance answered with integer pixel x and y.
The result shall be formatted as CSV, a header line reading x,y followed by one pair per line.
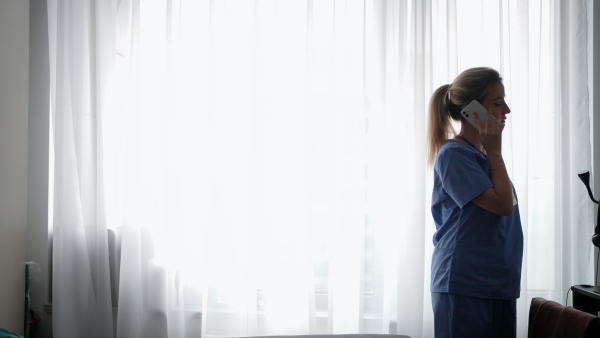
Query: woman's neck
x,y
472,135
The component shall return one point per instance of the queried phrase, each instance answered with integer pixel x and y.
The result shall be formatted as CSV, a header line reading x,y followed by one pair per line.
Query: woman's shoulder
x,y
454,151
452,146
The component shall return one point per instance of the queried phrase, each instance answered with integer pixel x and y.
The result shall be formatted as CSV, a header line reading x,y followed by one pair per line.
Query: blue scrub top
x,y
477,253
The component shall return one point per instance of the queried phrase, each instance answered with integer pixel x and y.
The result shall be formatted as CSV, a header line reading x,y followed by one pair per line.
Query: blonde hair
x,y
448,100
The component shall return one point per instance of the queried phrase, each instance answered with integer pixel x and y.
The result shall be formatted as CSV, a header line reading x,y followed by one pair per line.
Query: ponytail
x,y
441,111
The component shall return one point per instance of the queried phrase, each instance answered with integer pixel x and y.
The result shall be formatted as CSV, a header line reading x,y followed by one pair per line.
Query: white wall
x,y
595,96
14,72
38,249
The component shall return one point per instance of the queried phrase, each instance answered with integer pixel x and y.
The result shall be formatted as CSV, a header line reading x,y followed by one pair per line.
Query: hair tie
x,y
448,93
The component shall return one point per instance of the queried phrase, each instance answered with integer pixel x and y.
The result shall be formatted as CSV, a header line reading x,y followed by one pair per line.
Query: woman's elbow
x,y
506,210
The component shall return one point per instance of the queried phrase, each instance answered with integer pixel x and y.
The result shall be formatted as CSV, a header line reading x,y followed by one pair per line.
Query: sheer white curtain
x,y
237,168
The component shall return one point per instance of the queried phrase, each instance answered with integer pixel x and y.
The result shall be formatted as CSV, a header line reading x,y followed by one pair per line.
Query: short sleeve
x,y
462,172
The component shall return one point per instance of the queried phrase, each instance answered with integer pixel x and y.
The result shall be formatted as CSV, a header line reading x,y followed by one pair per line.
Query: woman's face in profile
x,y
494,100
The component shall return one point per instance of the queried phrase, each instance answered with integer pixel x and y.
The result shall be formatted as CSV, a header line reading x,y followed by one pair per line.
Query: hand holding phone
x,y
474,107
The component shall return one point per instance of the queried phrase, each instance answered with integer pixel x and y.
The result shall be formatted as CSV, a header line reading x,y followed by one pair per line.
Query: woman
x,y
476,263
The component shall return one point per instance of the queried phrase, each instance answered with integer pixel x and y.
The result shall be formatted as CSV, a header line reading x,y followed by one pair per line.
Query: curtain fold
x,y
576,224
81,288
239,168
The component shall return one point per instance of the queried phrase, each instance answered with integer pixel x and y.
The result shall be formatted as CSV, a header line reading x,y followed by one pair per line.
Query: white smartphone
x,y
474,107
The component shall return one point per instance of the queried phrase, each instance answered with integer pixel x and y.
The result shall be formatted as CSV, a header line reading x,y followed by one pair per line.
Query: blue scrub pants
x,y
458,316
